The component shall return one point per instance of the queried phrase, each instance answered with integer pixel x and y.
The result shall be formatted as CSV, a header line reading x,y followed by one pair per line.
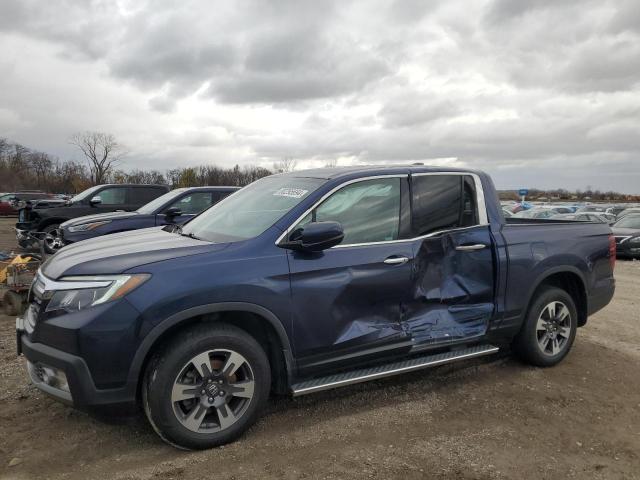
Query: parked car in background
x,y
615,210
628,211
593,208
535,213
174,207
98,199
585,217
303,282
561,209
627,234
9,202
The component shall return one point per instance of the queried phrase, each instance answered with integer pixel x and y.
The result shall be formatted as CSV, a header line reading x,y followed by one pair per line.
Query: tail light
x,y
612,252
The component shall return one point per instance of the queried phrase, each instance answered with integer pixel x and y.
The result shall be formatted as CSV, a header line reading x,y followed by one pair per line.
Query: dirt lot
x,y
492,418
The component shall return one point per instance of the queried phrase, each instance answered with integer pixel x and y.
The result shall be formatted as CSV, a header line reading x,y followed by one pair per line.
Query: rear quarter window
x,y
142,195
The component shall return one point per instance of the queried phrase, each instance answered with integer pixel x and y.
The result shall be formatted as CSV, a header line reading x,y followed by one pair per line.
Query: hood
x,y
57,210
117,253
625,232
99,217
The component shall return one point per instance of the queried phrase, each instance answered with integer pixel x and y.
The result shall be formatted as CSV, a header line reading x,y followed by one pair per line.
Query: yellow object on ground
x,y
16,260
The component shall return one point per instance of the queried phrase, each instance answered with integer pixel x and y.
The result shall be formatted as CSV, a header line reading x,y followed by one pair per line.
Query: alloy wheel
x,y
553,328
212,391
53,239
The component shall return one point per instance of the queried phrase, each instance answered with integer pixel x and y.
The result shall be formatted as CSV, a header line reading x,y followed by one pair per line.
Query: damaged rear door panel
x,y
452,289
453,275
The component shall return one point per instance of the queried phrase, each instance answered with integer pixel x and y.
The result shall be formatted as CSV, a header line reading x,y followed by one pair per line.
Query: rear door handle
x,y
470,248
396,260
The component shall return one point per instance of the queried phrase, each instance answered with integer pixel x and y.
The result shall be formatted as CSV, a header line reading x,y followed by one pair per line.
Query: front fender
x,y
176,319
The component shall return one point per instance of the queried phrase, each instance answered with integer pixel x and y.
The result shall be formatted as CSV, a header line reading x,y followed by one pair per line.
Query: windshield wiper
x,y
178,230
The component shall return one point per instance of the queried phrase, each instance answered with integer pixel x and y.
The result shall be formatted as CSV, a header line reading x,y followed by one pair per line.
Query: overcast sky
x,y
539,93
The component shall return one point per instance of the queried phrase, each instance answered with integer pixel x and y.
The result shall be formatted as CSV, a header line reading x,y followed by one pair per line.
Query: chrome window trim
x,y
480,205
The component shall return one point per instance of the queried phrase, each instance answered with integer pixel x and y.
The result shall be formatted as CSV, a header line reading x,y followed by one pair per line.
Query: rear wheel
x,y
206,387
549,329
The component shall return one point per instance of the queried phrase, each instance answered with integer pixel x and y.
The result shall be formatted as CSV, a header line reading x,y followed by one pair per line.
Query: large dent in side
x,y
449,291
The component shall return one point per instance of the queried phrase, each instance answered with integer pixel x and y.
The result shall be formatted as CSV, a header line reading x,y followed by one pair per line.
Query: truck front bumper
x,y
66,377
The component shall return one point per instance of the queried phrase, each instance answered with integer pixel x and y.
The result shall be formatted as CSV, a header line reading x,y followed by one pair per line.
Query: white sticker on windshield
x,y
290,192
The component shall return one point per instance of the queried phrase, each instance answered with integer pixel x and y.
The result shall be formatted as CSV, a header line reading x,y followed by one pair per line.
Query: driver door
x,y
347,299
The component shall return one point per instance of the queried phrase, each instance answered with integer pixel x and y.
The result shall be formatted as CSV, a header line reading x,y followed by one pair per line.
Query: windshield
x,y
153,205
251,210
628,211
631,221
85,194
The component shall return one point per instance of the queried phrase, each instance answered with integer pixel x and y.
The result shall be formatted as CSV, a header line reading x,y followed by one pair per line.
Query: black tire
x,y
167,366
50,230
528,343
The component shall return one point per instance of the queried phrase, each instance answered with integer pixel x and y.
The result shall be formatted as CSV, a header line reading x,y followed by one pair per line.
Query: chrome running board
x,y
395,368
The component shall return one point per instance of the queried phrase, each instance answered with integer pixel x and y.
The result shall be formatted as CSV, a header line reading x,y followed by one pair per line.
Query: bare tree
x,y
41,165
102,151
287,164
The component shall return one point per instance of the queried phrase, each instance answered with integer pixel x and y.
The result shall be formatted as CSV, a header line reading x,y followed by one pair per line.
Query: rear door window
x,y
443,202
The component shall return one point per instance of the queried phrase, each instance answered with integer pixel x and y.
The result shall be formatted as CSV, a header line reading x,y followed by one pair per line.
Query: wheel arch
x,y
45,222
568,278
250,317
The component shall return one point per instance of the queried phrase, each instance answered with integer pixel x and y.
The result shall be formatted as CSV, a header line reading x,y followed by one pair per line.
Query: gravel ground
x,y
491,418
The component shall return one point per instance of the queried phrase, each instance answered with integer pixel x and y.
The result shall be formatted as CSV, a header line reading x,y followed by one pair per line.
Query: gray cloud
x,y
545,91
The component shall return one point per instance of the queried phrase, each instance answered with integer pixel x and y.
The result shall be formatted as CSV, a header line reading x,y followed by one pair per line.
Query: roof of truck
x,y
336,172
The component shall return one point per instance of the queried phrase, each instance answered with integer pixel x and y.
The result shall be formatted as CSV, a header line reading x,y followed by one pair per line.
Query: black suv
x,y
98,199
173,208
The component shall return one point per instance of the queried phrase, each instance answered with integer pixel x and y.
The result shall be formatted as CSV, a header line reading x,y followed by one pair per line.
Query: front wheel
x,y
206,387
52,240
549,329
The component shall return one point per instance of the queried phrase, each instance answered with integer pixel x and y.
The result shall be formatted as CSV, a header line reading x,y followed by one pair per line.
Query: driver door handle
x,y
470,248
396,260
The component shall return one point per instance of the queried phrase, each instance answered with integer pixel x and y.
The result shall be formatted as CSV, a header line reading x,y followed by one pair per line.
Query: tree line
x,y
22,168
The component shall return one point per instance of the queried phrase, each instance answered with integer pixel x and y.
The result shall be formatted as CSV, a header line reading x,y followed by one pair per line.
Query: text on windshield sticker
x,y
290,192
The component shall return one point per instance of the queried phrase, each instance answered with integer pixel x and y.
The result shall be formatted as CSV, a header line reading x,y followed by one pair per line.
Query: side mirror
x,y
315,237
173,212
95,200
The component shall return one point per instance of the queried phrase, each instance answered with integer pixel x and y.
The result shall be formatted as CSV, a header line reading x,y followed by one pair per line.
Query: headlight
x,y
635,241
88,226
73,294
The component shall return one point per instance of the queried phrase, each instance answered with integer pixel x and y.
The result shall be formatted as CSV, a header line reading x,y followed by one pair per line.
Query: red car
x,y
8,201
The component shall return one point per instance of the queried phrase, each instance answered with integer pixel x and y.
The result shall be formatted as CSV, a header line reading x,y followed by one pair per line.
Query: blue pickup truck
x,y
302,282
